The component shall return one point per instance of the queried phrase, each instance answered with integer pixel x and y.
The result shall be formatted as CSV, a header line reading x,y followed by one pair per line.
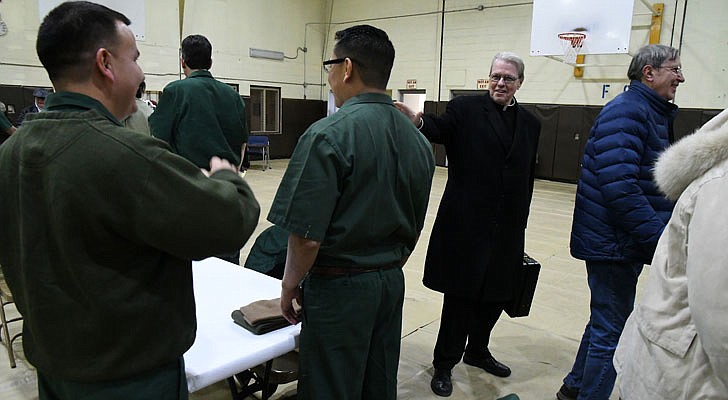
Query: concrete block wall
x,y
232,26
470,39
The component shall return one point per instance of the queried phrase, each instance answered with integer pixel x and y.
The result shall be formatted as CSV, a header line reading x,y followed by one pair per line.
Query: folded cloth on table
x,y
260,316
262,310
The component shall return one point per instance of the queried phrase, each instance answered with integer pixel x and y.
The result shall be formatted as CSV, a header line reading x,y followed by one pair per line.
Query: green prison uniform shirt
x,y
4,123
359,183
201,117
268,251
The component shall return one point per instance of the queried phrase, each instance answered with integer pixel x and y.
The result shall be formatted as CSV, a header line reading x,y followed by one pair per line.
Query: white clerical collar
x,y
511,104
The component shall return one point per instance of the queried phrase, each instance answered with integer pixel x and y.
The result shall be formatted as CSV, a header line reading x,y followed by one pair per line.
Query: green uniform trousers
x,y
164,383
350,337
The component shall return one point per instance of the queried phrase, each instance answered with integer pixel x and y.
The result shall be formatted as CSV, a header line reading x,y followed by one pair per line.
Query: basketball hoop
x,y
572,43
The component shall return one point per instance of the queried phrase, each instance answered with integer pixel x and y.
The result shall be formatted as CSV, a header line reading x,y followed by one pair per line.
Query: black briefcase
x,y
524,288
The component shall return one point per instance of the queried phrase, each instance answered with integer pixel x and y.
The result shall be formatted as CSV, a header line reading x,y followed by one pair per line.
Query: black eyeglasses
x,y
329,63
507,79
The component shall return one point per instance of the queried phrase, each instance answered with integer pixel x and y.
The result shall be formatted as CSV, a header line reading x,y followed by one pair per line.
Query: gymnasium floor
x,y
539,348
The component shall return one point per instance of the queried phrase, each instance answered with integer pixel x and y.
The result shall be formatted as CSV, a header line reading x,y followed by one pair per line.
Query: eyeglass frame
x,y
507,79
328,63
678,71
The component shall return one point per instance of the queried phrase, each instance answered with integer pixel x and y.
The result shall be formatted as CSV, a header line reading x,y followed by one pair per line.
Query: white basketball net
x,y
571,43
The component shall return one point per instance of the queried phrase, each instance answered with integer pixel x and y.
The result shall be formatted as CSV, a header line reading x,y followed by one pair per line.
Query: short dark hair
x,y
652,54
197,52
71,34
371,51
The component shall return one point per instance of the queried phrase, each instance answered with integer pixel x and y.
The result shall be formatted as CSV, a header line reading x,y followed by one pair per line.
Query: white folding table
x,y
223,348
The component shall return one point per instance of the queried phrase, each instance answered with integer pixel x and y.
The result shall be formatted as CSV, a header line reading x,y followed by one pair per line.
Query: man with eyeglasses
x,y
619,213
477,242
354,199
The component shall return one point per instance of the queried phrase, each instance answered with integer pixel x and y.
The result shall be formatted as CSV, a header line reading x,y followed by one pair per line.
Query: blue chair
x,y
259,145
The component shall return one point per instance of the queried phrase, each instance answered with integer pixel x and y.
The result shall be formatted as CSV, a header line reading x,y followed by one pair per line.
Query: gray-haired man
x,y
619,213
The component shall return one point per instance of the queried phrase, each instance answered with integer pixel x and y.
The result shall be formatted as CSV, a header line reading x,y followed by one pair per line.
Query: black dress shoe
x,y
441,383
488,363
567,393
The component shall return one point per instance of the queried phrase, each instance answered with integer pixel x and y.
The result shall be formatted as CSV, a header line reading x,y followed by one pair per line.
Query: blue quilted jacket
x,y
619,213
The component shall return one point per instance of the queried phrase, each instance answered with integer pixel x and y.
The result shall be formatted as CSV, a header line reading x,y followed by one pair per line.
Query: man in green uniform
x,y
268,254
201,117
6,128
354,199
100,223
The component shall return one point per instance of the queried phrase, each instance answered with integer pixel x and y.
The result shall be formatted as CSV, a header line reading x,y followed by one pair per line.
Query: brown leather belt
x,y
326,271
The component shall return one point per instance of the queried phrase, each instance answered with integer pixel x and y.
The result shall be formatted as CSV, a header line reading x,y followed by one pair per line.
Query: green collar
x,y
368,98
200,73
71,101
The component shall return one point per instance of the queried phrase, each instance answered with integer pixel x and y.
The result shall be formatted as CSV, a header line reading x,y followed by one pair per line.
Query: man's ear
x,y
348,69
647,72
103,63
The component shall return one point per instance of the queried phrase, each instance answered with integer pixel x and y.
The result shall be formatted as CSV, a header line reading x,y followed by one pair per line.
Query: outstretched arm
x,y
415,117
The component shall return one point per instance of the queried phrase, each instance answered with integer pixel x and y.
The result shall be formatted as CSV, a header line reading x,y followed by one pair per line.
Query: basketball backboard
x,y
607,25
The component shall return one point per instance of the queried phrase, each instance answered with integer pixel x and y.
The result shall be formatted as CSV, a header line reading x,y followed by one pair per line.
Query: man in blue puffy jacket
x,y
619,213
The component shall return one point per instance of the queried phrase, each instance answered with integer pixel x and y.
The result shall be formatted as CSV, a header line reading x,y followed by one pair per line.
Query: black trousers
x,y
464,321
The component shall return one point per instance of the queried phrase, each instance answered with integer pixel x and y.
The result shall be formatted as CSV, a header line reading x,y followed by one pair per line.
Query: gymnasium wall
x,y
471,37
429,57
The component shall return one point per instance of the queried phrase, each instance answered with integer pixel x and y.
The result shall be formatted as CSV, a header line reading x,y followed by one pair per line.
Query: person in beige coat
x,y
137,121
674,345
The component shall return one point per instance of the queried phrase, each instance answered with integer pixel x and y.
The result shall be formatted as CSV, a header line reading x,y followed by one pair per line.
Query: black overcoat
x,y
477,242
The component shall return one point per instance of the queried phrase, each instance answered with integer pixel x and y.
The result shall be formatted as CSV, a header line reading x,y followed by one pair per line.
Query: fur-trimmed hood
x,y
692,156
